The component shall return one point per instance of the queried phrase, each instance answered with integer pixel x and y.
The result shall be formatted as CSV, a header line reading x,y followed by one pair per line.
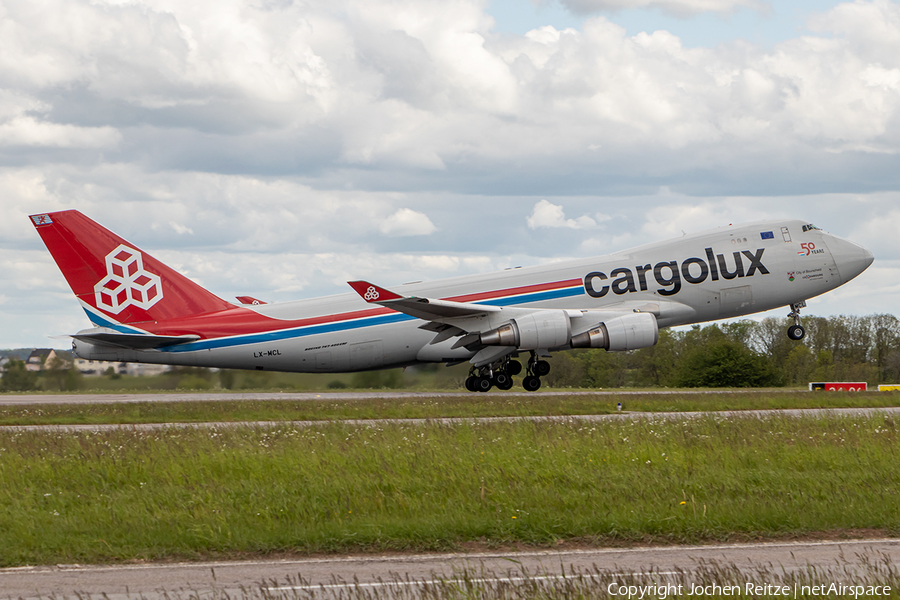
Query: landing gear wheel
x,y
541,368
796,332
483,384
503,381
531,383
514,367
470,383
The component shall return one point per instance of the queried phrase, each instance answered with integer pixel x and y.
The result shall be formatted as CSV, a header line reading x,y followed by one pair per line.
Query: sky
x,y
280,148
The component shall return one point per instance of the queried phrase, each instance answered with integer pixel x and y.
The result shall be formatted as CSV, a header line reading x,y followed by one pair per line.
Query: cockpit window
x,y
811,227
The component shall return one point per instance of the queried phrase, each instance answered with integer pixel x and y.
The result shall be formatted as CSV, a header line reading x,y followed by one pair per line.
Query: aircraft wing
x,y
428,309
445,311
488,331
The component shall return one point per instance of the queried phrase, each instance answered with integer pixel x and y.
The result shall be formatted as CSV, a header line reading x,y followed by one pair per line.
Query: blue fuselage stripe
x,y
283,334
101,322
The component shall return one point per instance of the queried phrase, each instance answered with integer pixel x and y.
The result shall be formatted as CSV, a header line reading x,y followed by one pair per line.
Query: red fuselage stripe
x,y
525,289
239,320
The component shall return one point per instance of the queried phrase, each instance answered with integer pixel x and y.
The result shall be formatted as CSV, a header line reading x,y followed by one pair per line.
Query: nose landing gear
x,y
796,331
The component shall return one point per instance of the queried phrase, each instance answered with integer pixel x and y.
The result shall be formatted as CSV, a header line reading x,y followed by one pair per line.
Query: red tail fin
x,y
114,279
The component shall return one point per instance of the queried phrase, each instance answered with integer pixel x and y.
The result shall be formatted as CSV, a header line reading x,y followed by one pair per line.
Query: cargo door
x,y
735,300
366,355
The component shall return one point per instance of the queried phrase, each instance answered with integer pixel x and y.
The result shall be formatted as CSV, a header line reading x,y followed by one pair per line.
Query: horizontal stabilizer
x,y
136,341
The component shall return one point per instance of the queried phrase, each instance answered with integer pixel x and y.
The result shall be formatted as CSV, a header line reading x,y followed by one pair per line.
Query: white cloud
x,y
25,131
20,126
408,86
277,132
406,222
879,232
301,243
547,214
676,7
181,229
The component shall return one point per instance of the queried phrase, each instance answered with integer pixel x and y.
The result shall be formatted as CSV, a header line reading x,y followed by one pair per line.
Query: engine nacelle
x,y
628,332
540,329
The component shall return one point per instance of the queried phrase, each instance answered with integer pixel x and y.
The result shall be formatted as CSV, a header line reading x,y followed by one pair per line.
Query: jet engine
x,y
628,332
540,329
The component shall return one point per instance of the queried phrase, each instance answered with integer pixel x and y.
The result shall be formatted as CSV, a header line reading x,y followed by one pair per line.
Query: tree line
x,y
745,354
738,354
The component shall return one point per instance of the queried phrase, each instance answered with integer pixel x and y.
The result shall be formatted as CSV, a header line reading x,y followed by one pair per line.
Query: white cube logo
x,y
126,282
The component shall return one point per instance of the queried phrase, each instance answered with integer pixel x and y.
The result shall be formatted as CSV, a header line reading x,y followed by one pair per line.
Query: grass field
x,y
227,492
423,407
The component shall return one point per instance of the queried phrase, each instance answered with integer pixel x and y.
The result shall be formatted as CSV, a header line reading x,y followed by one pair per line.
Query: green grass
x,y
224,492
407,407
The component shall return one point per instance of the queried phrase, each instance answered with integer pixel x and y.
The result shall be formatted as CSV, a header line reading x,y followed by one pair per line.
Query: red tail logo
x,y
127,283
112,275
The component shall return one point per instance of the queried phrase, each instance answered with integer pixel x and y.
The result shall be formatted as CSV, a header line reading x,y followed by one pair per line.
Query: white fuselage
x,y
722,273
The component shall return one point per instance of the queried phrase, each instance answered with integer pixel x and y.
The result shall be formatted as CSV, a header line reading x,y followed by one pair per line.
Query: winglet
x,y
372,293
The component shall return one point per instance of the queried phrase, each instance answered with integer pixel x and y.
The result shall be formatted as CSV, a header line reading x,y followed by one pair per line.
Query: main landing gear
x,y
796,331
482,379
500,374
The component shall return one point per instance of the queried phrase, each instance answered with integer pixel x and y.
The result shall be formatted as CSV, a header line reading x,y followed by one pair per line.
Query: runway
x,y
19,399
297,577
24,399
746,414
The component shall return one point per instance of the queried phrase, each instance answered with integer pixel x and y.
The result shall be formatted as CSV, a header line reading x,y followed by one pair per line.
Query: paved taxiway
x,y
790,412
23,399
184,579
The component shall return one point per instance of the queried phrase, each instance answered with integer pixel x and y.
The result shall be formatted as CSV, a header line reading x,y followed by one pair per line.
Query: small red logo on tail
x,y
126,282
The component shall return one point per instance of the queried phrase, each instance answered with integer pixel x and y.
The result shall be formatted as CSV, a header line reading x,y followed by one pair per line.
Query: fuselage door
x,y
735,300
366,355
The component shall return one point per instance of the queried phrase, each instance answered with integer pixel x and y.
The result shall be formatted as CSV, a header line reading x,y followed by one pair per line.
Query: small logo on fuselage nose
x,y
127,283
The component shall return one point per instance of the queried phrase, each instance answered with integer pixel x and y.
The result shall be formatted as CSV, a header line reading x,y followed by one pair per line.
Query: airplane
x,y
144,311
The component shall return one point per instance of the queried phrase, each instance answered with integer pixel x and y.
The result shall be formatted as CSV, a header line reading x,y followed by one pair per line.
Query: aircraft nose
x,y
851,259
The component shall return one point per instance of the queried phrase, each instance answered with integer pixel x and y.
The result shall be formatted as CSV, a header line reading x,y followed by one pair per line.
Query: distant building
x,y
41,358
145,369
99,367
